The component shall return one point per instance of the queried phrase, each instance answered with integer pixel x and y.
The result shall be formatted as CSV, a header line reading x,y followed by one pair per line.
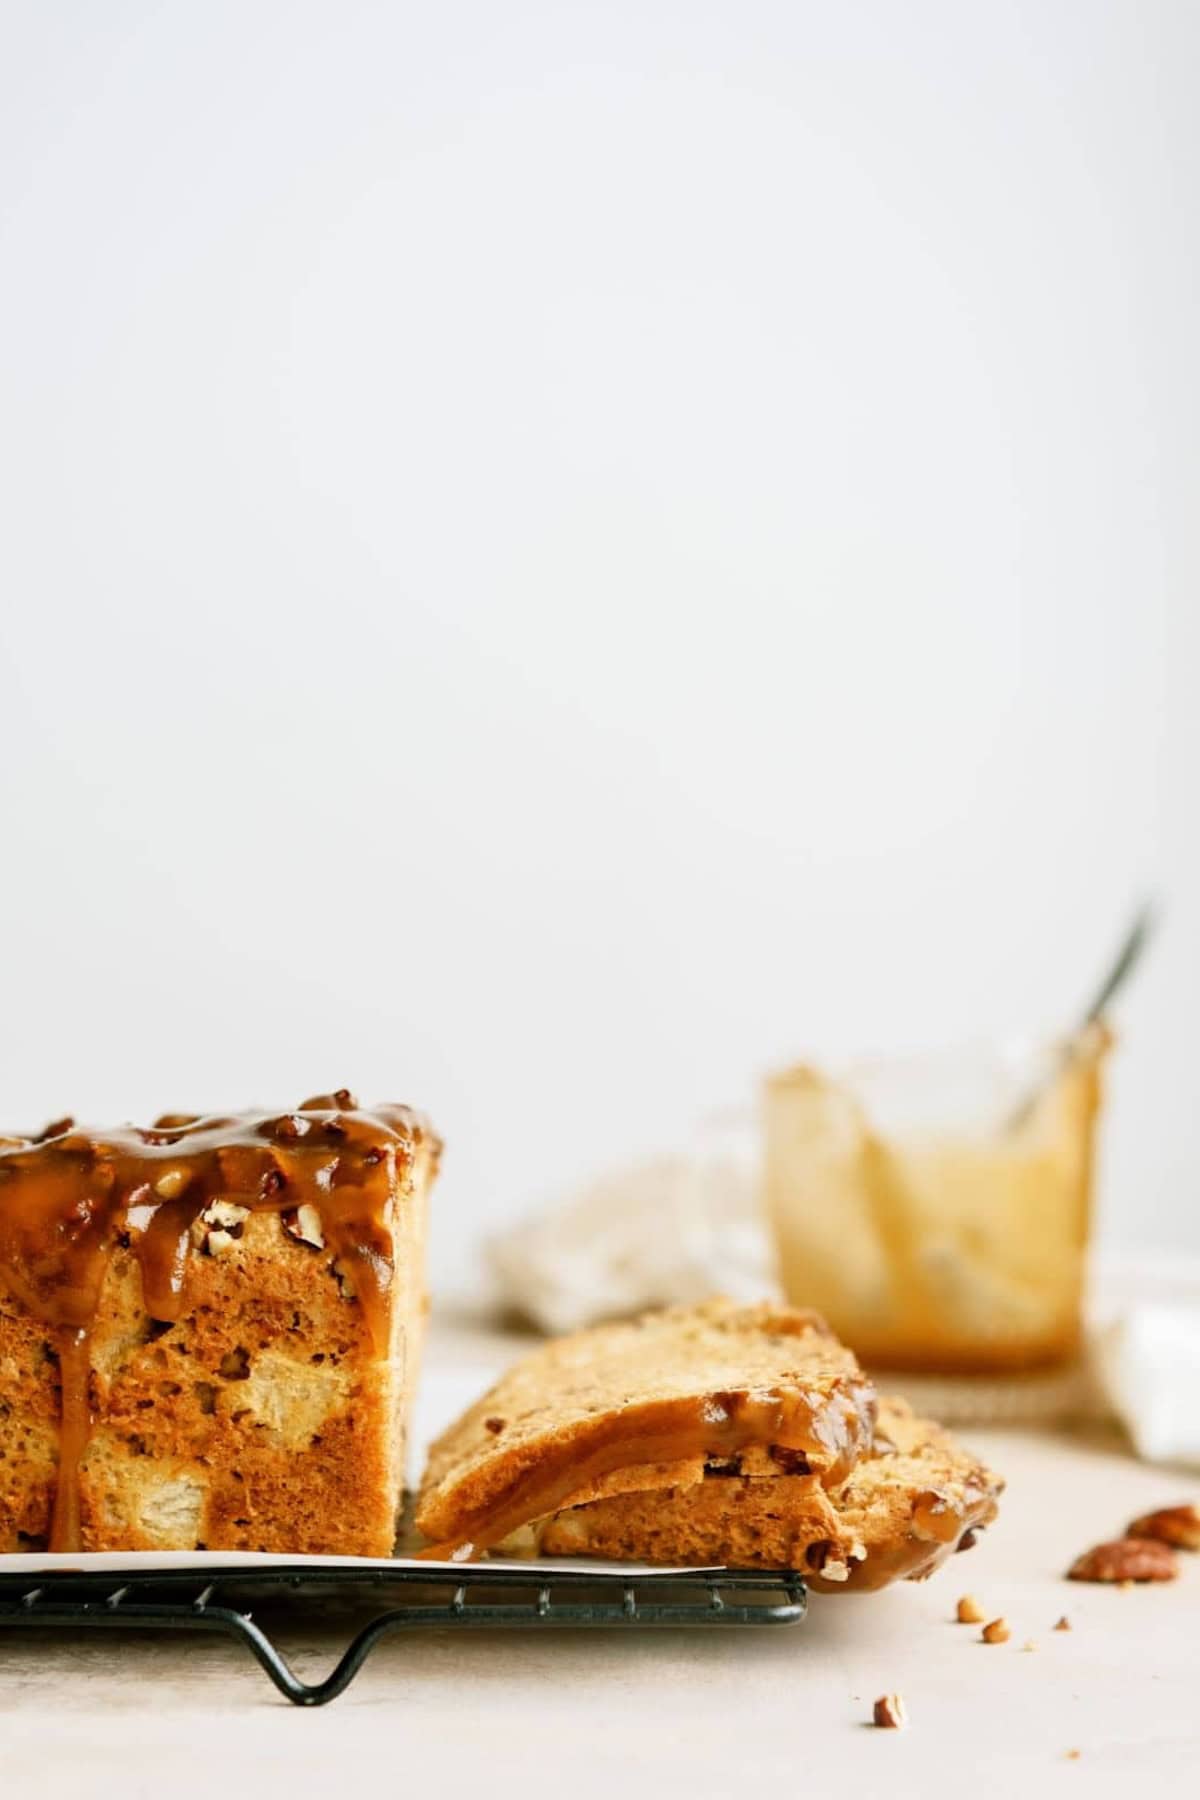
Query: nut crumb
x,y
1175,1525
969,1611
890,1712
1125,1561
1074,1755
1029,1644
996,1632
1062,1624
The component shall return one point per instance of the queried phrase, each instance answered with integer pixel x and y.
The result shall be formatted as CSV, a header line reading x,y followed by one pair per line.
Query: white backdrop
x,y
554,555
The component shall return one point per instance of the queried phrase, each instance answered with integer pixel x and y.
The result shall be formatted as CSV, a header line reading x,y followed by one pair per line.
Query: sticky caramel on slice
x,y
643,1405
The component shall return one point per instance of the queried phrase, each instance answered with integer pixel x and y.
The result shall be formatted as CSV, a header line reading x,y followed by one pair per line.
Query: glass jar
x,y
936,1209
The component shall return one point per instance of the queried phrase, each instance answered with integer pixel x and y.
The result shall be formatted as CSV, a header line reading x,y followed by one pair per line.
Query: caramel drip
x,y
70,1197
74,1430
939,1516
667,1431
163,1251
362,1244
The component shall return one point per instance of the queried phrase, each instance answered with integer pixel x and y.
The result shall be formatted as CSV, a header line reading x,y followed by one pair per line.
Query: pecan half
x,y
1126,1559
1177,1525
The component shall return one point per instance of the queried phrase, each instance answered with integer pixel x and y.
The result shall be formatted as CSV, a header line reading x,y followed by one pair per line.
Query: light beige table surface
x,y
784,1710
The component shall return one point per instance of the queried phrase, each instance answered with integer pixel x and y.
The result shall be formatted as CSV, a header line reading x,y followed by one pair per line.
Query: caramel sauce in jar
x,y
933,1239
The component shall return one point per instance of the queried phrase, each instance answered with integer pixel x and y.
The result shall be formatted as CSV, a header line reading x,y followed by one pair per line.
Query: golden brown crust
x,y
627,1404
900,1513
267,1414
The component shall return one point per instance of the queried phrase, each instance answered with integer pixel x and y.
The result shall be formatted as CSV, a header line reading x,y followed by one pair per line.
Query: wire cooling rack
x,y
249,1604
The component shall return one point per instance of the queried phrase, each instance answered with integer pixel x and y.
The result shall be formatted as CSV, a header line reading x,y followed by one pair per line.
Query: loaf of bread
x,y
719,1435
210,1330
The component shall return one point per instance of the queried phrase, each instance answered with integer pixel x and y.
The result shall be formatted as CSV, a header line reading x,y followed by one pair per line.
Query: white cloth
x,y
677,1228
1148,1364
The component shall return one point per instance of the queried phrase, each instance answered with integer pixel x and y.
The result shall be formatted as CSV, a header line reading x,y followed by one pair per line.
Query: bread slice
x,y
644,1406
210,1330
910,1503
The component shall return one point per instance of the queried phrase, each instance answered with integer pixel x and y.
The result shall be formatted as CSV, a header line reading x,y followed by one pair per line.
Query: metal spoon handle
x,y
1128,956
1126,960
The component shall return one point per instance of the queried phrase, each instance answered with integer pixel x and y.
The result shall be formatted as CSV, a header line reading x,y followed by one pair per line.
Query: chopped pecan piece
x,y
170,1185
304,1224
56,1128
220,1225
890,1712
792,1462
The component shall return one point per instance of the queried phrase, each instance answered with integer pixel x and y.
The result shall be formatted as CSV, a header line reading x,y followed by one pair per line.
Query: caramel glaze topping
x,y
943,1520
68,1196
835,1432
